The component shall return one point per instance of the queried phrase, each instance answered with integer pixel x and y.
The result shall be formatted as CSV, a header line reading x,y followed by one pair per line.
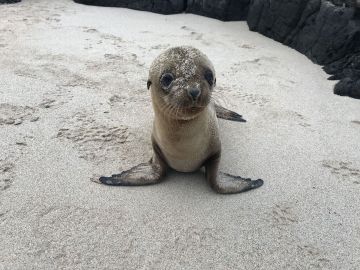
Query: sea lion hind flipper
x,y
142,174
236,184
225,183
226,114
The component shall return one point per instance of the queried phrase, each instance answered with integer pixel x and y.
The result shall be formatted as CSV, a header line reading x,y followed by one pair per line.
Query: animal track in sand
x,y
13,146
109,74
2,216
343,169
116,73
184,27
292,117
115,40
160,46
253,99
15,115
93,140
302,121
283,215
196,36
27,72
47,103
6,174
55,72
247,46
114,64
56,97
77,80
249,98
193,34
253,64
119,100
260,60
65,77
315,256
90,30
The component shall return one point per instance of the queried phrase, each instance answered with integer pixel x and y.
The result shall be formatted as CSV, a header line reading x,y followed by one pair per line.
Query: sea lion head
x,y
181,81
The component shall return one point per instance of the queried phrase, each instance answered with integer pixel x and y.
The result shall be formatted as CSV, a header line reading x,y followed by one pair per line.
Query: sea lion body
x,y
187,145
185,134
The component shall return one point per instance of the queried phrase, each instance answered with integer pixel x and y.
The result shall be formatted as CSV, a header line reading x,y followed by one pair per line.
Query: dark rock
x,y
9,1
278,19
347,3
157,6
348,87
320,30
347,70
348,66
328,34
226,10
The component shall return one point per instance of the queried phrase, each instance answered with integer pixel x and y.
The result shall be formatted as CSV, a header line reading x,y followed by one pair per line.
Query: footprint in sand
x,y
315,256
343,170
15,115
93,140
6,174
283,215
247,46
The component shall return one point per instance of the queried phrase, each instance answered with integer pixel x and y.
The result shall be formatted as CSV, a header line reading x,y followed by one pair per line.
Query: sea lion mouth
x,y
184,112
194,109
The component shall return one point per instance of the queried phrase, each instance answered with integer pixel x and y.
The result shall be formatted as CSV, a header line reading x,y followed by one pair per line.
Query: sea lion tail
x,y
226,114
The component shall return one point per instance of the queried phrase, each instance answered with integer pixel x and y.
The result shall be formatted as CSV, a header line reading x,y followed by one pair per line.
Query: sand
x,y
74,105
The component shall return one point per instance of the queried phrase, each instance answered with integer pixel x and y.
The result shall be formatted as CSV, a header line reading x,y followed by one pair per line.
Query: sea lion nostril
x,y
194,93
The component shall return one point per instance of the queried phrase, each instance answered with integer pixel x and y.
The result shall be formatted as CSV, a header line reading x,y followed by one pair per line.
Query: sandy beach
x,y
74,105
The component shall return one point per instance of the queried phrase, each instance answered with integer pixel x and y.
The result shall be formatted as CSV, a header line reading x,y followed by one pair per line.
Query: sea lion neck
x,y
176,121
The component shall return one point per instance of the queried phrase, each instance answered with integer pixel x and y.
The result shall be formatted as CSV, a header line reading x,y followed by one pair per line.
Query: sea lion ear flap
x,y
214,82
148,84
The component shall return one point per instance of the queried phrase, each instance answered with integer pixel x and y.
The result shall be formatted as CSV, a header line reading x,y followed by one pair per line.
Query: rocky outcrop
x,y
9,1
226,10
157,6
320,30
328,34
346,3
347,70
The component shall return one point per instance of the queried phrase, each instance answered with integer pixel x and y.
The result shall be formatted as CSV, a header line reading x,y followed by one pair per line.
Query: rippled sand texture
x,y
74,105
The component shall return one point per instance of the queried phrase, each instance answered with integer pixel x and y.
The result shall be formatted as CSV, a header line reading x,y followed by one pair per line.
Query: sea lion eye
x,y
209,77
166,79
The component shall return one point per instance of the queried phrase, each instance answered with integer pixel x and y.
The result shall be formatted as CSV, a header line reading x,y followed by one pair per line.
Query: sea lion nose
x,y
194,93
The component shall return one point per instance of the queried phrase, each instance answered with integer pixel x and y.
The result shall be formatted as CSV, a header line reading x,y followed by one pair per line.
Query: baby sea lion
x,y
185,135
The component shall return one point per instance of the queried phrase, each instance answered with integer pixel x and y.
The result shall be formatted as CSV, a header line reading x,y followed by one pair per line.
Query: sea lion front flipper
x,y
142,174
225,183
226,114
148,173
228,183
